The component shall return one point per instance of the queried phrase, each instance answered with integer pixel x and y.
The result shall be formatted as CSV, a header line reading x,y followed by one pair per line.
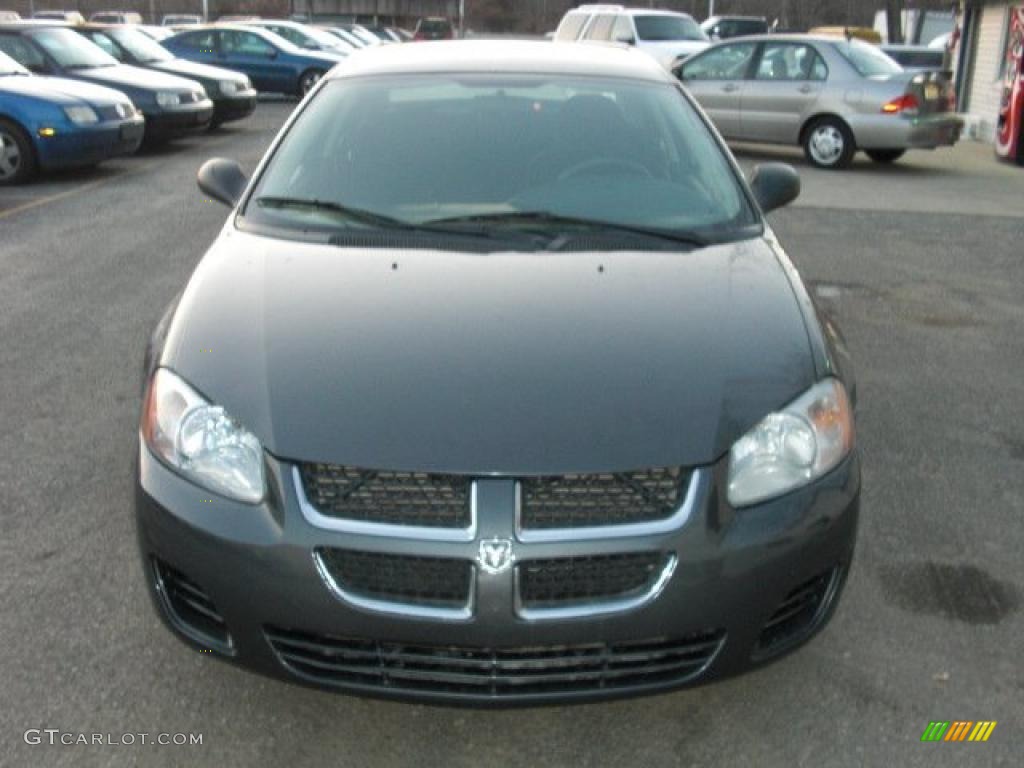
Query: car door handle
x,y
806,88
730,87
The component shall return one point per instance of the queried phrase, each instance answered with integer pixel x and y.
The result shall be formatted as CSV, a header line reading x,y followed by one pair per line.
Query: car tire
x,y
308,79
17,155
828,143
885,155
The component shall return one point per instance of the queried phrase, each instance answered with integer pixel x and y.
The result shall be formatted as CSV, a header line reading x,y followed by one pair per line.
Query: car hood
x,y
325,57
60,91
194,70
125,75
511,363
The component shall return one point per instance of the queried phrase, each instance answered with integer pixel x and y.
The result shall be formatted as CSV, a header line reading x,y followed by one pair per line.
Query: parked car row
x,y
79,95
49,123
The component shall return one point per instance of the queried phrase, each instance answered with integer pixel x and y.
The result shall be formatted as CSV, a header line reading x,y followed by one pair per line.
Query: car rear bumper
x,y
894,132
237,107
88,145
181,121
717,614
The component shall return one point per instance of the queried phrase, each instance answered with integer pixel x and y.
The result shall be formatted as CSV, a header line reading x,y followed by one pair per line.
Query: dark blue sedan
x,y
271,62
48,123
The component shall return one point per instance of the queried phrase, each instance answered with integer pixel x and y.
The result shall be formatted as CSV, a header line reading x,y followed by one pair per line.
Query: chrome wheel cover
x,y
826,144
10,155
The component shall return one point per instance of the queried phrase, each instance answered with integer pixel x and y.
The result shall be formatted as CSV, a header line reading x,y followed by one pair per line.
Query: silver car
x,y
832,96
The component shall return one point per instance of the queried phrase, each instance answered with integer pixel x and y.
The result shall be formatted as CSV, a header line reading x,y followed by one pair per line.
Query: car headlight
x,y
125,109
228,87
168,99
81,115
793,446
201,441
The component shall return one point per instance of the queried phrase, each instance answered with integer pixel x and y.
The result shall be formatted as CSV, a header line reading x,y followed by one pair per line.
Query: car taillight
x,y
905,104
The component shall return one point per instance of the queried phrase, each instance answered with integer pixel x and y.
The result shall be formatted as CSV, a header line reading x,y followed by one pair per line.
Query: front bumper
x,y
895,132
90,144
180,121
235,107
734,569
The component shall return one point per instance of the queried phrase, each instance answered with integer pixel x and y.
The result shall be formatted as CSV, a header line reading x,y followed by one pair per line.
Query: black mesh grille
x,y
191,609
492,673
398,498
436,581
570,501
796,614
545,583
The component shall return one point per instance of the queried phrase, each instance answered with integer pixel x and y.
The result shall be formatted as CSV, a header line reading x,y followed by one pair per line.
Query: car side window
x,y
104,42
197,41
245,43
571,27
819,70
622,30
727,62
601,27
786,61
23,52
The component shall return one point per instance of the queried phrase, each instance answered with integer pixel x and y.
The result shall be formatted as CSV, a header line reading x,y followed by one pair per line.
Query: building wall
x,y
986,86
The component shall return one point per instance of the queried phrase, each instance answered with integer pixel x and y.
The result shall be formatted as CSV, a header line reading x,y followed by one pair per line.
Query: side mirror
x,y
223,180
626,40
775,185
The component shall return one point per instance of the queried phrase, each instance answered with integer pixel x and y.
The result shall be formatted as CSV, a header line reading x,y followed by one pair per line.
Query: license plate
x,y
931,91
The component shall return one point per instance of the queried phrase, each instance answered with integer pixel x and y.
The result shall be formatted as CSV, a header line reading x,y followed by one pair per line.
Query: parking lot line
x,y
93,184
69,192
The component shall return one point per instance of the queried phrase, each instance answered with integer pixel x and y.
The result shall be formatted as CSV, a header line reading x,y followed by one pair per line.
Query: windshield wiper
x,y
555,224
373,220
357,215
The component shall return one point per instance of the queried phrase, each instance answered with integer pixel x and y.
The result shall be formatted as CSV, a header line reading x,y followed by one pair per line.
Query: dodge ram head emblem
x,y
495,555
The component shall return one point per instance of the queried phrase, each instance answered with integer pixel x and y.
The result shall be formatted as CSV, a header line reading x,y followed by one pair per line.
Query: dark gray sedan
x,y
832,96
496,387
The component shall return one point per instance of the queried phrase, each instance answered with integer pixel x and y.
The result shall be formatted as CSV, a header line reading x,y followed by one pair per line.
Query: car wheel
x,y
309,79
17,159
828,143
885,155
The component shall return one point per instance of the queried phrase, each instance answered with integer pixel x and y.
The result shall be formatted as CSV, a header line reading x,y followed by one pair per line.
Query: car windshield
x,y
72,51
661,28
306,37
434,25
867,59
142,47
422,150
9,66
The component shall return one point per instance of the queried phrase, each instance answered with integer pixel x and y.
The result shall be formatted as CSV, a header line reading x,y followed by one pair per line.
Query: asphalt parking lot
x,y
921,264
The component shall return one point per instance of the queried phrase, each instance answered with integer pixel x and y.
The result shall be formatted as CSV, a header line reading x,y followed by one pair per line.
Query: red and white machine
x,y
1010,128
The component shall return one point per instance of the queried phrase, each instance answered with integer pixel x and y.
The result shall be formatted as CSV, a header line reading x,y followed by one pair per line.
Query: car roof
x,y
25,24
601,8
504,57
735,18
787,37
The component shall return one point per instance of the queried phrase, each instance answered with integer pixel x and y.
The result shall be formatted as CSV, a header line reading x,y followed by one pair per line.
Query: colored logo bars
x,y
958,730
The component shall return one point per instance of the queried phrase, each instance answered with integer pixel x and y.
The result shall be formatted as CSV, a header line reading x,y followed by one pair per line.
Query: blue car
x,y
48,123
271,62
172,106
